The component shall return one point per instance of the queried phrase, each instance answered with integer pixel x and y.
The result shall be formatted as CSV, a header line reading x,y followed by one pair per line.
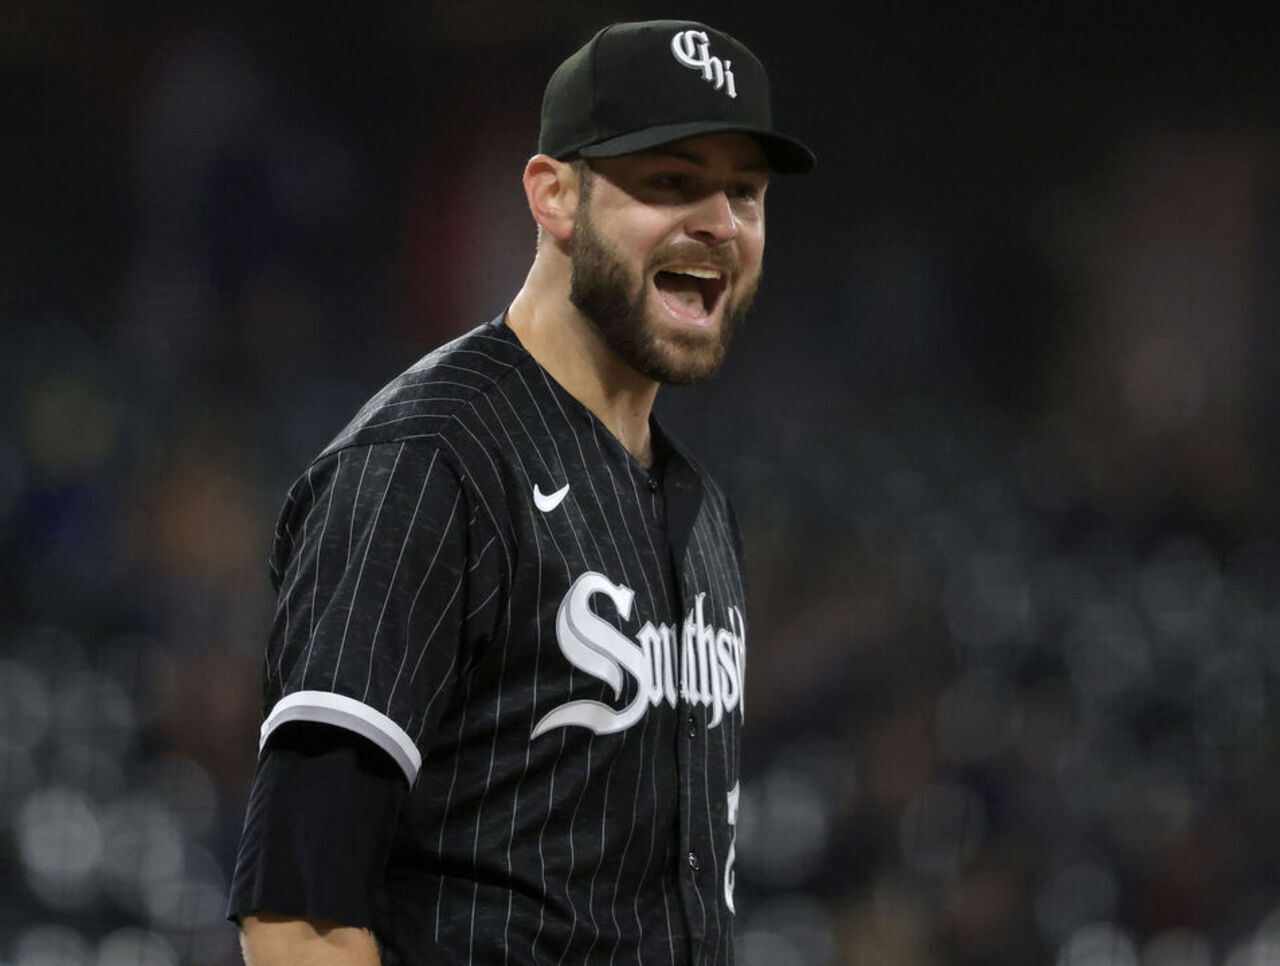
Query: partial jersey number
x,y
733,846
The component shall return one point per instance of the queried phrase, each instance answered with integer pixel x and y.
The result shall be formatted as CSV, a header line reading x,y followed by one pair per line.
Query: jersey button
x,y
653,484
694,864
693,727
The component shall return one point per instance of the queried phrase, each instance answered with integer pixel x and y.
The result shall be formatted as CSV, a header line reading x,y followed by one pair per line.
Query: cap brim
x,y
784,155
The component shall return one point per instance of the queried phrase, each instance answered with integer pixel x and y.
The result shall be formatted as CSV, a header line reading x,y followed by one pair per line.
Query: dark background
x,y
1003,433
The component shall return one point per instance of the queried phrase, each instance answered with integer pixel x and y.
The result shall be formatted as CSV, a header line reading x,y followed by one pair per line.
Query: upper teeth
x,y
696,272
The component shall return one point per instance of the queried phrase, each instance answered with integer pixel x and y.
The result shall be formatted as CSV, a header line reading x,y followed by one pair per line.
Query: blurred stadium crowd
x,y
1003,434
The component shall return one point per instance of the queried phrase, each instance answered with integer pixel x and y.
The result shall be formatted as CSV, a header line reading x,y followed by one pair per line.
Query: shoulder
x,y
425,400
413,432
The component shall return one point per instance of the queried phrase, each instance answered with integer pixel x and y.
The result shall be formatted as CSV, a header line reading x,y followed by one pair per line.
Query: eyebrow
x,y
694,158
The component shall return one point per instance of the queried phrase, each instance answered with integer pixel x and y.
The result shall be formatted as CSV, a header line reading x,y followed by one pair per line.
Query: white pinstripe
x,y
697,541
286,594
355,503
426,480
311,633
426,575
337,664
422,653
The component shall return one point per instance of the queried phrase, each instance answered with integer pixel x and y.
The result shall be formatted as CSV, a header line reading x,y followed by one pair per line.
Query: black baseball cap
x,y
635,86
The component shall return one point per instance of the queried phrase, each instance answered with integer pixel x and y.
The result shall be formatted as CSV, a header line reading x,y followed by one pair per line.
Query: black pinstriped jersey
x,y
479,578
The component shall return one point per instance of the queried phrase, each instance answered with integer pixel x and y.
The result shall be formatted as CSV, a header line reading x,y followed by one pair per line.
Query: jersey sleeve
x,y
371,562
319,826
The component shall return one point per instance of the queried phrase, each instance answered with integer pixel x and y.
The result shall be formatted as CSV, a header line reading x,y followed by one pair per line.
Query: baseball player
x,y
503,688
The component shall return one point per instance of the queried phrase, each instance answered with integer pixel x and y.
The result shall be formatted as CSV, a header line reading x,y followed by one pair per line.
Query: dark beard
x,y
599,287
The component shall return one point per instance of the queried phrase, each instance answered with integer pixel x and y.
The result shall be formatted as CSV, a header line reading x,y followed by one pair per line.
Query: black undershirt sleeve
x,y
321,817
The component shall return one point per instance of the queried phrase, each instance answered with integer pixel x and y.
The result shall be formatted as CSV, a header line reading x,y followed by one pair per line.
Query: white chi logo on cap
x,y
693,49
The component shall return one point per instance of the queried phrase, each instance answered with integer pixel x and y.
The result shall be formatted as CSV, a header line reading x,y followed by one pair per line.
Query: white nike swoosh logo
x,y
546,502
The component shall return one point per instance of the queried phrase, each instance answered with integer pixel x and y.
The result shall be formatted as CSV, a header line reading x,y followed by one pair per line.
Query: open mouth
x,y
691,291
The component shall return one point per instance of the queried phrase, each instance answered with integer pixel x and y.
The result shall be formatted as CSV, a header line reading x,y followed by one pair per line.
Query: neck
x,y
567,345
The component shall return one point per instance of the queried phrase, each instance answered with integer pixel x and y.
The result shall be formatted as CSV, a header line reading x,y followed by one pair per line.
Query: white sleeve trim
x,y
326,707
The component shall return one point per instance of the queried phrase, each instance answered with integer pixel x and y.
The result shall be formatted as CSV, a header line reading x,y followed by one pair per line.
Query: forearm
x,y
270,940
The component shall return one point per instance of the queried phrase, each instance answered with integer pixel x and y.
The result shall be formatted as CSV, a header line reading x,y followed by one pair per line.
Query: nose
x,y
712,220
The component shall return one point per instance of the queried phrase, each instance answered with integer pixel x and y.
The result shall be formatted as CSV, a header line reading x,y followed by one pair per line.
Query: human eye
x,y
669,181
747,199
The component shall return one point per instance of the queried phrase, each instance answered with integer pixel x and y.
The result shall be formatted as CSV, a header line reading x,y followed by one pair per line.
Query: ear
x,y
551,188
